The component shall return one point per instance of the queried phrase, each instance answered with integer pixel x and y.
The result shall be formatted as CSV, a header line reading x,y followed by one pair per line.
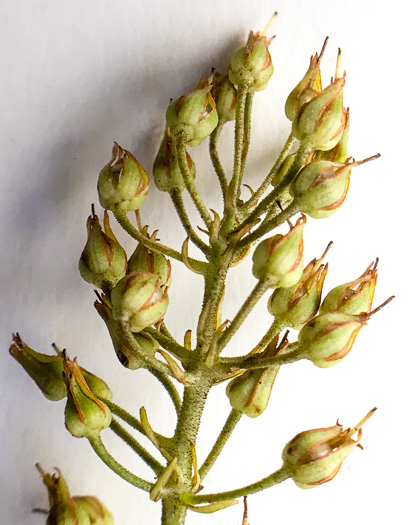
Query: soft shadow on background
x,y
79,75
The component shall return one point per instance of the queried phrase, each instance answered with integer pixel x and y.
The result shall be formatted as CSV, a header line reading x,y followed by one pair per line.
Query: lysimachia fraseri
x,y
310,179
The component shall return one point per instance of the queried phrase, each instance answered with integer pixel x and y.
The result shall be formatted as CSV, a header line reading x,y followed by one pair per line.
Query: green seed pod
x,y
77,510
144,260
139,301
319,123
123,184
338,153
280,258
193,116
306,89
315,456
63,508
85,414
328,338
322,186
225,96
166,171
126,355
354,297
250,392
251,64
295,306
103,260
44,369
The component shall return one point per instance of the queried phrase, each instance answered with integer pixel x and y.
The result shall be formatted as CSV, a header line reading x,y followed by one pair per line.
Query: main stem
x,y
173,511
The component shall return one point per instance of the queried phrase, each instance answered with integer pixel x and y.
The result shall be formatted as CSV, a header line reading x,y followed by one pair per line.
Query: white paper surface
x,y
78,75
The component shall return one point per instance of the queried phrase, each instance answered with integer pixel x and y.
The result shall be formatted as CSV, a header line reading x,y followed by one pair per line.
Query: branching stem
x,y
229,426
190,185
101,451
136,446
271,480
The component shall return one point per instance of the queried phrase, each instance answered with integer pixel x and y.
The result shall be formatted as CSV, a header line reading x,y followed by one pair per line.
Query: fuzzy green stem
x,y
173,511
248,305
267,181
101,451
269,224
190,186
277,477
176,196
169,344
188,423
254,362
136,446
274,329
214,286
265,205
231,422
169,387
151,362
214,156
155,246
247,129
234,188
124,415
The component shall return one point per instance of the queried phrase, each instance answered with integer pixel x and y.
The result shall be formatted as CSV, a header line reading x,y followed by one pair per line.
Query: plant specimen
x,y
309,178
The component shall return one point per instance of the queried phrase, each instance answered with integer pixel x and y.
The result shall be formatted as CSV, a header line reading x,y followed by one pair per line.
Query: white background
x,y
78,75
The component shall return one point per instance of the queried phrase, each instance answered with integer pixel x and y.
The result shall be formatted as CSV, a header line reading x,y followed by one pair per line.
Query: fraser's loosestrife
x,y
308,181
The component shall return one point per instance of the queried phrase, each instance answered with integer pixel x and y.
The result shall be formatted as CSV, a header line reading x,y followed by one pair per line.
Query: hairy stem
x,y
267,181
124,415
155,246
169,387
190,186
271,480
169,344
229,426
251,301
136,446
269,225
247,129
214,156
235,182
176,196
101,451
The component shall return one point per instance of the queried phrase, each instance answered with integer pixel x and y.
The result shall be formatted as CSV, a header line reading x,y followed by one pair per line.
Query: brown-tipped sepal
x,y
76,510
139,301
315,456
250,392
103,260
123,183
144,260
354,297
304,90
327,338
45,370
126,354
251,64
295,306
279,259
85,414
321,187
166,170
320,122
192,117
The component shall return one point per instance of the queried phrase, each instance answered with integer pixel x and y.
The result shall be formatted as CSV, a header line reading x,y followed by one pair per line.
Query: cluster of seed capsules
x,y
134,291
